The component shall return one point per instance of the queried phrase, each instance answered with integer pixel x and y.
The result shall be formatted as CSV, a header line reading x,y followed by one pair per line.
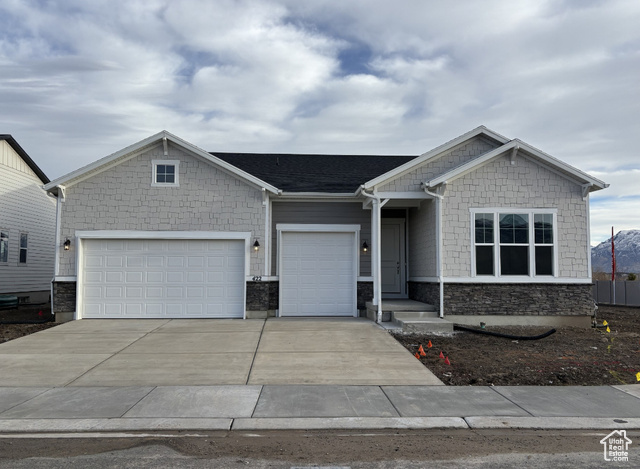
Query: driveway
x,y
198,352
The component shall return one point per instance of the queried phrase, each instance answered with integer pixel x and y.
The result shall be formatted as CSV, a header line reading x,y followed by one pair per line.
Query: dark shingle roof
x,y
23,154
314,173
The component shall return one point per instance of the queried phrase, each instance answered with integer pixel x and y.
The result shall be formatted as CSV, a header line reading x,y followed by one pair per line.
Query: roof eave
x,y
153,140
26,158
418,160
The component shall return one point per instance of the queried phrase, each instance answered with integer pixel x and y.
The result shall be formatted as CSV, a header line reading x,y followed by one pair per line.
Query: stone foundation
x,y
365,293
64,301
262,299
549,299
425,293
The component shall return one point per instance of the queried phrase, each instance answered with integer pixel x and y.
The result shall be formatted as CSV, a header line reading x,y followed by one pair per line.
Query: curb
x,y
36,426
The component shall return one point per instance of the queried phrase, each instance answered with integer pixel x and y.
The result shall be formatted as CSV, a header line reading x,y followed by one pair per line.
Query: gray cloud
x,y
80,80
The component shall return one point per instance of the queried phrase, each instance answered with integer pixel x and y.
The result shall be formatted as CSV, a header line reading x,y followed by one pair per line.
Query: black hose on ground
x,y
458,327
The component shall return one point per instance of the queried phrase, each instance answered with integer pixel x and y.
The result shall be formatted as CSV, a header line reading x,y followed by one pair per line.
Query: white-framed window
x,y
24,244
4,247
166,173
514,242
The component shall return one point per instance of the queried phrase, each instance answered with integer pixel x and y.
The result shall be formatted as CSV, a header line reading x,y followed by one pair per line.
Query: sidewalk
x,y
269,407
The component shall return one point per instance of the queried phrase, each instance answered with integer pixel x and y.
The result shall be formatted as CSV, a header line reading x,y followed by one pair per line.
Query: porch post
x,y
376,267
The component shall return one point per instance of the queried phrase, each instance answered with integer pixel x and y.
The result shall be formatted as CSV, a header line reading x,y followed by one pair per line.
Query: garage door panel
x,y
163,278
135,261
155,261
134,277
318,274
133,292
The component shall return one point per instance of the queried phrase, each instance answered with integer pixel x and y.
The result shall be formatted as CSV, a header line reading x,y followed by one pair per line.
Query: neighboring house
x,y
481,225
27,226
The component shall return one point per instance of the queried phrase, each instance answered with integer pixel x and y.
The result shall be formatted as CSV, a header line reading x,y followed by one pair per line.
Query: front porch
x,y
410,315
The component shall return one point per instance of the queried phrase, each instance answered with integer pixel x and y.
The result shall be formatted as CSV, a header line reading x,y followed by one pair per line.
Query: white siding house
x,y
27,226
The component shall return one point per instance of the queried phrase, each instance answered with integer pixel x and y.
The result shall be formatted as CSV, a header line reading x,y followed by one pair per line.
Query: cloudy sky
x,y
82,79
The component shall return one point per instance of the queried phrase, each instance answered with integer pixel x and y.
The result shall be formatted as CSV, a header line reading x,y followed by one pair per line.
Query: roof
x,y
515,146
132,150
26,158
338,174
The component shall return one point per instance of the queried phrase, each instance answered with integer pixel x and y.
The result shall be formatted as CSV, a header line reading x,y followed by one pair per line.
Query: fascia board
x,y
222,164
78,173
13,143
559,164
408,166
470,165
318,195
552,163
110,160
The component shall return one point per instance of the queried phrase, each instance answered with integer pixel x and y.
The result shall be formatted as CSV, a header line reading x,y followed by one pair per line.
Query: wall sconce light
x,y
365,247
67,244
256,246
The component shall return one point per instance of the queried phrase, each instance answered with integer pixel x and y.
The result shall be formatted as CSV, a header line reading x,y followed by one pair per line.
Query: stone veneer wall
x,y
518,299
365,293
262,296
64,297
425,292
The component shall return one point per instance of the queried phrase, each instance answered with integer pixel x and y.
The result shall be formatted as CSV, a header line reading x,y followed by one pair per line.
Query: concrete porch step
x,y
424,324
413,315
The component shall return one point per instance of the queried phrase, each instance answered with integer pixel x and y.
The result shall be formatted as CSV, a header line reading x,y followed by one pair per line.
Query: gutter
x,y
439,199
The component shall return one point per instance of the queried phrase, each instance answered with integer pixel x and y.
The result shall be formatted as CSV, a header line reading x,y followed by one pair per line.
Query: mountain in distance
x,y
627,245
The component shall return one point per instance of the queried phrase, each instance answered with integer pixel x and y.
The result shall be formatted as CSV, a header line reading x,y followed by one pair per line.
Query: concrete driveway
x,y
198,352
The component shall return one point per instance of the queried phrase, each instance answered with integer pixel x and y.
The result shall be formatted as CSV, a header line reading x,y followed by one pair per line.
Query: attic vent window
x,y
166,173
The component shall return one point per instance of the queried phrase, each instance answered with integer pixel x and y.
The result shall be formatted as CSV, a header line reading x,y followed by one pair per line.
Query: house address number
x,y
257,278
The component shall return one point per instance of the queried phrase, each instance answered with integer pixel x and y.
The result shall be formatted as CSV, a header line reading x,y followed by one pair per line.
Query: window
x,y
24,238
165,173
517,247
484,243
4,246
514,244
543,233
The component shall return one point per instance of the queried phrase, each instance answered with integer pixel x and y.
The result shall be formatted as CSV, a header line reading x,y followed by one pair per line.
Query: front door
x,y
392,258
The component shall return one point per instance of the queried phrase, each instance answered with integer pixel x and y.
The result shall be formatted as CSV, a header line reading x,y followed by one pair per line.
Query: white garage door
x,y
317,274
175,278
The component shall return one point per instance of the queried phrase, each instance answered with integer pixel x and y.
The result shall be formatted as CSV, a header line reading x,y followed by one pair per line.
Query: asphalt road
x,y
286,449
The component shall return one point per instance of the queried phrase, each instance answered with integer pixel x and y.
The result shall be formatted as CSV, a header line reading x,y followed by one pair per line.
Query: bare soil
x,y
24,320
571,356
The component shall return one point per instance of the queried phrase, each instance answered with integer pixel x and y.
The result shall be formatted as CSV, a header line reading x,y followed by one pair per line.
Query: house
x,y
480,227
27,226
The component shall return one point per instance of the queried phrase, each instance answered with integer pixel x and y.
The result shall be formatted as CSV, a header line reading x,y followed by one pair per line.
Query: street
x,y
285,449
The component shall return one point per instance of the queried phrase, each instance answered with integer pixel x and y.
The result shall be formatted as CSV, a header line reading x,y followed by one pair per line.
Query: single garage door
x,y
162,278
318,274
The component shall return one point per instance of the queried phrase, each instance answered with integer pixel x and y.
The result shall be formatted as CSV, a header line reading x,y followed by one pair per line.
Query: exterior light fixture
x,y
365,247
67,244
256,246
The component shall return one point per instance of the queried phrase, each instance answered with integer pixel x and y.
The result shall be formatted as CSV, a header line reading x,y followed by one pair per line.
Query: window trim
x,y
8,236
154,174
531,245
25,249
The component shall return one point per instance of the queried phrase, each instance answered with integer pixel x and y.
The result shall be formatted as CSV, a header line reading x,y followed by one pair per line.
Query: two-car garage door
x,y
162,278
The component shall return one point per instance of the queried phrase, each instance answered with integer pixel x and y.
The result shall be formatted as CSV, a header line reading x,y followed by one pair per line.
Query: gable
x,y
439,164
163,140
514,150
13,156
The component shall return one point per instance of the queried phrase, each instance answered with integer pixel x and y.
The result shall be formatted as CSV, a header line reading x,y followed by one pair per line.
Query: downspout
x,y
56,261
375,252
438,198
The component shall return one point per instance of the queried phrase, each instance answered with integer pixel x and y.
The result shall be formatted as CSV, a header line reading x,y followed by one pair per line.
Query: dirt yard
x,y
571,356
24,320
